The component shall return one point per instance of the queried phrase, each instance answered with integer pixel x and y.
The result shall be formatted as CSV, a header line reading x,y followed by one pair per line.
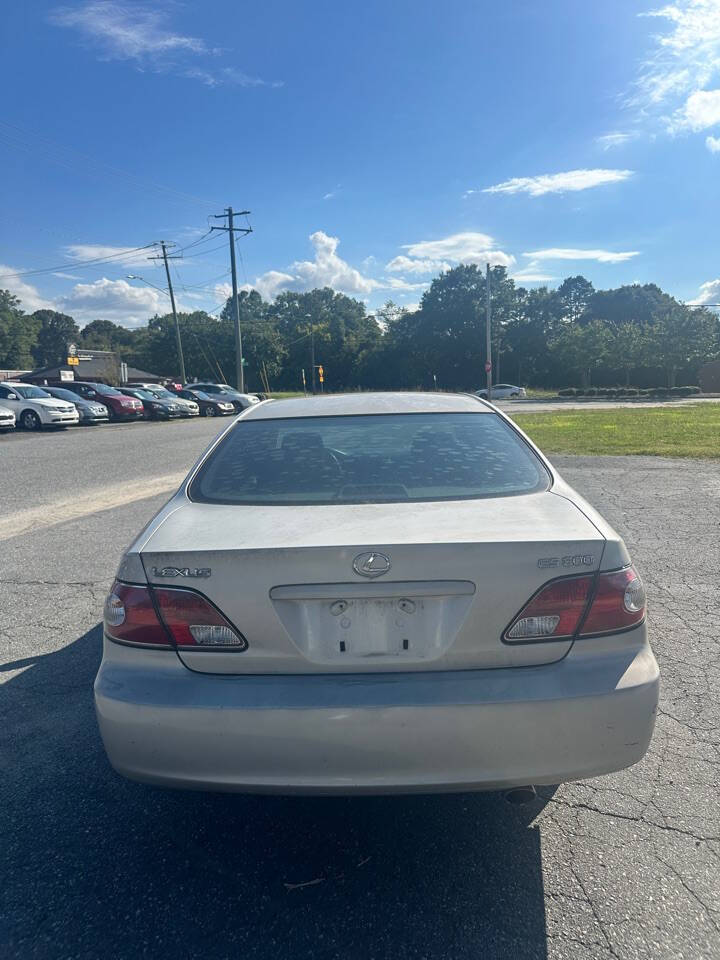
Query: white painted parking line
x,y
84,504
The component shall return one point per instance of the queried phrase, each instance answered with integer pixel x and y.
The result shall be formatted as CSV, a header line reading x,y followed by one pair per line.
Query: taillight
x,y
130,616
555,611
559,610
619,603
185,616
194,622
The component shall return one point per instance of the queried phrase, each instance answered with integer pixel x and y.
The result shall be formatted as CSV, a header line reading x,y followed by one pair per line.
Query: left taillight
x,y
130,616
187,617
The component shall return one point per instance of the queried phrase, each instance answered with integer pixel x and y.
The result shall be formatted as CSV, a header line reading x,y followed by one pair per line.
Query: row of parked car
x,y
32,408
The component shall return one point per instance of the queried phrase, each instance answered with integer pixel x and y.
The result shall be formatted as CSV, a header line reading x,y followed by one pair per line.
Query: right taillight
x,y
155,616
580,606
618,603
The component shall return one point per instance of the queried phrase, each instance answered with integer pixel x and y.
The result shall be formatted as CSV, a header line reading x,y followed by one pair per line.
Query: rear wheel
x,y
29,420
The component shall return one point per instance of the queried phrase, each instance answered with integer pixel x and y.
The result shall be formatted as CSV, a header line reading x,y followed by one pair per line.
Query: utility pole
x,y
488,342
178,341
231,231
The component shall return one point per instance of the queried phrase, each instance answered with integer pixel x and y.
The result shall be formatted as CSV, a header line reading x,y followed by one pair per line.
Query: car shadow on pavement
x,y
95,865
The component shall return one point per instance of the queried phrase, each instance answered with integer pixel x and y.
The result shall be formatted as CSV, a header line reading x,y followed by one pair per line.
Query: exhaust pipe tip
x,y
519,796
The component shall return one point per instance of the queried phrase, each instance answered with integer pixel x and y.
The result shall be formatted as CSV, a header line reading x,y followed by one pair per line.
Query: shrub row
x,y
611,392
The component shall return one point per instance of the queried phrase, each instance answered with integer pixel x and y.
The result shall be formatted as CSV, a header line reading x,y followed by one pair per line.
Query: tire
x,y
210,412
29,420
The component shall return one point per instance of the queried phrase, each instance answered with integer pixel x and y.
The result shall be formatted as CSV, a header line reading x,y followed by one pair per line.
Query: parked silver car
x,y
504,391
89,411
376,592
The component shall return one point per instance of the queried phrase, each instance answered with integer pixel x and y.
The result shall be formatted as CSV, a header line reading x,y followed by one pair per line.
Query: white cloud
x,y
403,264
140,33
125,256
114,300
327,269
532,276
469,247
571,180
125,33
571,253
269,284
66,276
617,139
709,293
685,57
700,111
31,299
397,283
713,144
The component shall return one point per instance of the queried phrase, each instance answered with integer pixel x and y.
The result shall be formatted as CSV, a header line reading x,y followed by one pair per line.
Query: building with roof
x,y
94,366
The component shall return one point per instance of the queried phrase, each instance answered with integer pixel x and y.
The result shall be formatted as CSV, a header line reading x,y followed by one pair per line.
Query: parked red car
x,y
120,406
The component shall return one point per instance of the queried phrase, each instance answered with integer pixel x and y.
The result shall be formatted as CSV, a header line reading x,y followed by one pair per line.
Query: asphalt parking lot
x,y
624,866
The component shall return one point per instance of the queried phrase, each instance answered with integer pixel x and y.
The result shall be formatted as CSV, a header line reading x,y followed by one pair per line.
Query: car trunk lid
x,y
287,579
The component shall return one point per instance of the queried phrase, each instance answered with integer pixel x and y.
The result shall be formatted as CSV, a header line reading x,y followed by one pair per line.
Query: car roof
x,y
354,404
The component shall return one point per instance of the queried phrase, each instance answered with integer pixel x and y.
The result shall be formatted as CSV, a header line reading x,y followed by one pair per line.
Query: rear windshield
x,y
383,458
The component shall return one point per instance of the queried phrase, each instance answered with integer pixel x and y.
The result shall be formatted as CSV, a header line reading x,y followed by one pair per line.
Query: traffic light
x,y
321,373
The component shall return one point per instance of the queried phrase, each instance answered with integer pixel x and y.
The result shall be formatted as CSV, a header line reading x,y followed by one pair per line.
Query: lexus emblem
x,y
371,564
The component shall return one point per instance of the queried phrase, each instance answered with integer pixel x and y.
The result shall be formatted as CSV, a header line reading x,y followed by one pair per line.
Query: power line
x,y
29,140
79,264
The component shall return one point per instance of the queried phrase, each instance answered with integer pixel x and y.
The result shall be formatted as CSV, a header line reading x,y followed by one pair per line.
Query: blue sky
x,y
374,143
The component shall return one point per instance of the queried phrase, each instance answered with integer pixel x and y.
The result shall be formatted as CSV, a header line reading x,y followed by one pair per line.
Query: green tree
x,y
680,337
446,336
17,334
582,348
338,325
264,351
106,335
55,333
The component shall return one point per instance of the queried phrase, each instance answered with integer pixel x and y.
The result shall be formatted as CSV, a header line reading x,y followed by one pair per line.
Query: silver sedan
x,y
372,593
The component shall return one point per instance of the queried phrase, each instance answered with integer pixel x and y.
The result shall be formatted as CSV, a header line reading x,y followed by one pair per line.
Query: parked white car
x,y
7,419
369,593
34,408
503,391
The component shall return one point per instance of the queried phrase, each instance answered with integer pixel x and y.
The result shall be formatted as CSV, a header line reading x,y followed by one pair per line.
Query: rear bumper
x,y
462,730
